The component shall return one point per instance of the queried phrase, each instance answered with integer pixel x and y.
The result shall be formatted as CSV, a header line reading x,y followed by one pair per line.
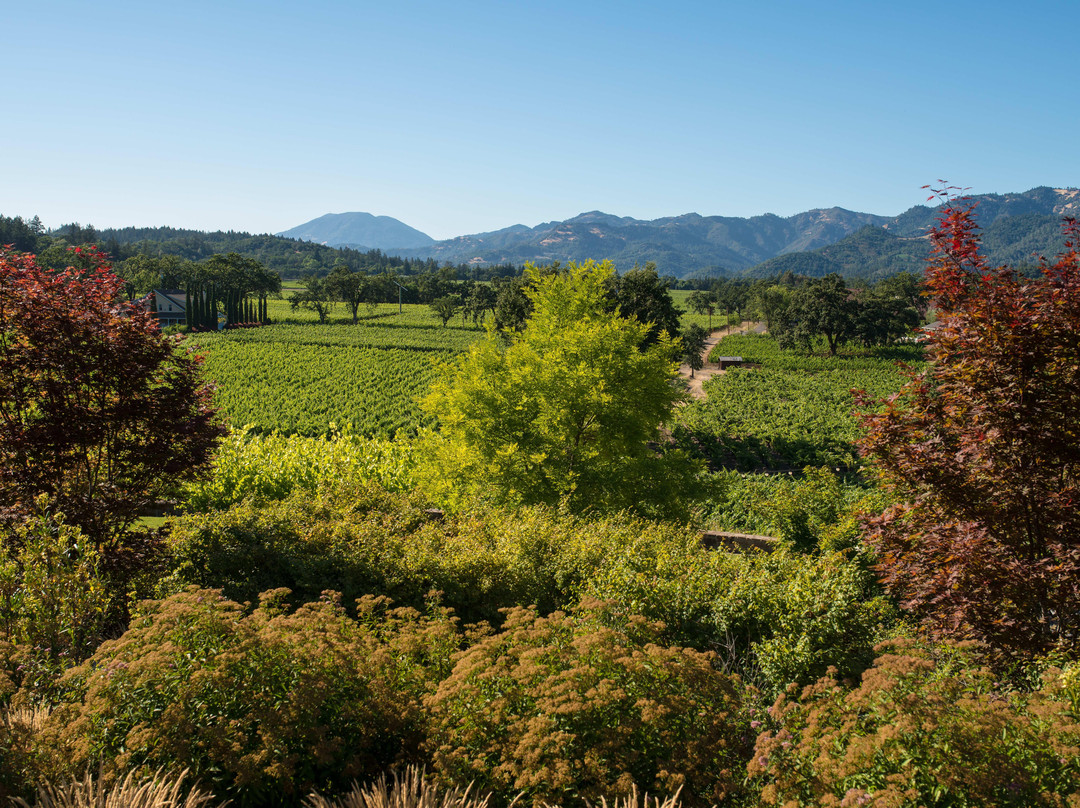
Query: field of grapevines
x,y
789,410
308,378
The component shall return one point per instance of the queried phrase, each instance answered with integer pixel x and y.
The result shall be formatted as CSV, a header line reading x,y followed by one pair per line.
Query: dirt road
x,y
707,372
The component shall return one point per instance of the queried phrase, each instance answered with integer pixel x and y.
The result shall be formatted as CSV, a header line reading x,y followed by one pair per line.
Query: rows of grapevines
x,y
792,411
306,378
376,334
761,349
308,388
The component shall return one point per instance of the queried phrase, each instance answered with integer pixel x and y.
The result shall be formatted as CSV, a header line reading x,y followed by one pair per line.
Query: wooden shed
x,y
725,362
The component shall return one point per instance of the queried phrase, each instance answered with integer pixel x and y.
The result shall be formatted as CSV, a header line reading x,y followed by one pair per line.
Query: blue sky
x,y
459,117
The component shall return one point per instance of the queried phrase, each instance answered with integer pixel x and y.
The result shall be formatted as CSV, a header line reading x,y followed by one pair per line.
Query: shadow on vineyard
x,y
755,453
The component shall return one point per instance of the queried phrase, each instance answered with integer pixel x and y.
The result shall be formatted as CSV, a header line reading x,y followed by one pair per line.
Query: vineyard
x,y
309,378
787,410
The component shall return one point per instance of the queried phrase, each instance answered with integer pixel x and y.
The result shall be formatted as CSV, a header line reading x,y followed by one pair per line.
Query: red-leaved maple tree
x,y
983,450
98,409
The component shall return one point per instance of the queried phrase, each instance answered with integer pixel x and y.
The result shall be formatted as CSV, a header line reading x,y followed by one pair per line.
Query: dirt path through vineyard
x,y
707,372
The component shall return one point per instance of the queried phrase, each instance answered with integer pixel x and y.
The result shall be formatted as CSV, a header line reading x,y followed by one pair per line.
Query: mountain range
x,y
1017,227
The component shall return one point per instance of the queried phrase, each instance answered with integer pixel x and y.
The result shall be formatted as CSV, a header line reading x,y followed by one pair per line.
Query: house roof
x,y
177,296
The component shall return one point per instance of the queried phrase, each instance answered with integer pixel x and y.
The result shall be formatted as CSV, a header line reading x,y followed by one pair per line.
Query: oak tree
x,y
694,338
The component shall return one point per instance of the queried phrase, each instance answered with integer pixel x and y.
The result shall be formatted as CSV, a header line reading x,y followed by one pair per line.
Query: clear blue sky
x,y
459,117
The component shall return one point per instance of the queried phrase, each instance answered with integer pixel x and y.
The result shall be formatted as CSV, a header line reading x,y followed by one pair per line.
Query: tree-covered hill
x,y
872,253
288,257
1016,229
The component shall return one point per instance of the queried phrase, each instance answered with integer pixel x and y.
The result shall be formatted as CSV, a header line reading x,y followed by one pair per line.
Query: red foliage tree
x,y
98,409
983,450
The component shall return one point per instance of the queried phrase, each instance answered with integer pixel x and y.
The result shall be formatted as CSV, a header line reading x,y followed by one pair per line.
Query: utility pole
x,y
399,288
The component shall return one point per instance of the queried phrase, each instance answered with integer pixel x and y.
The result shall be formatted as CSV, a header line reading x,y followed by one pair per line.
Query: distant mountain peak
x,y
360,229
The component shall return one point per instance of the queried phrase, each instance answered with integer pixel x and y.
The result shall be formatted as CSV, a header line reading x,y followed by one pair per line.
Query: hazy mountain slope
x,y
360,229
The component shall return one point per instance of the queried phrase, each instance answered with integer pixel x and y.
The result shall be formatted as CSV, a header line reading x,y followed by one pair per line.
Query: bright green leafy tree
x,y
562,413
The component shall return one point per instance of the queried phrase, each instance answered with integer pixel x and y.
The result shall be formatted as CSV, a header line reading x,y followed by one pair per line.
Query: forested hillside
x,y
1017,229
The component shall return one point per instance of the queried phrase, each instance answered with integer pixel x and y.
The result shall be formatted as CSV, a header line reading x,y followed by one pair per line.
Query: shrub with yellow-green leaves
x,y
350,538
361,539
260,706
775,618
574,707
55,600
270,467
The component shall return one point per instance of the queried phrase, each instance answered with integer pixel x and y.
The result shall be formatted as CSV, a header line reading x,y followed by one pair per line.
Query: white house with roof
x,y
170,306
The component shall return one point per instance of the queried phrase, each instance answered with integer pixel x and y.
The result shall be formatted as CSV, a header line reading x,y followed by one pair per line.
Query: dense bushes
x,y
774,618
814,509
260,706
925,727
641,686
351,539
360,539
55,601
572,707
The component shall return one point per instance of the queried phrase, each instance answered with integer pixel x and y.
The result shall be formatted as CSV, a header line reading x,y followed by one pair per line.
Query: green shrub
x,y
262,706
925,727
567,708
271,467
350,538
360,539
775,618
813,510
55,602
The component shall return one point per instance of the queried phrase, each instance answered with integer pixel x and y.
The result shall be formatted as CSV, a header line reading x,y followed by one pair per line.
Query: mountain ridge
x,y
680,244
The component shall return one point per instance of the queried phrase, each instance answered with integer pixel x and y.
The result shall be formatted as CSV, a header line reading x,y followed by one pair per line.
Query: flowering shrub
x,y
261,707
574,707
925,727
